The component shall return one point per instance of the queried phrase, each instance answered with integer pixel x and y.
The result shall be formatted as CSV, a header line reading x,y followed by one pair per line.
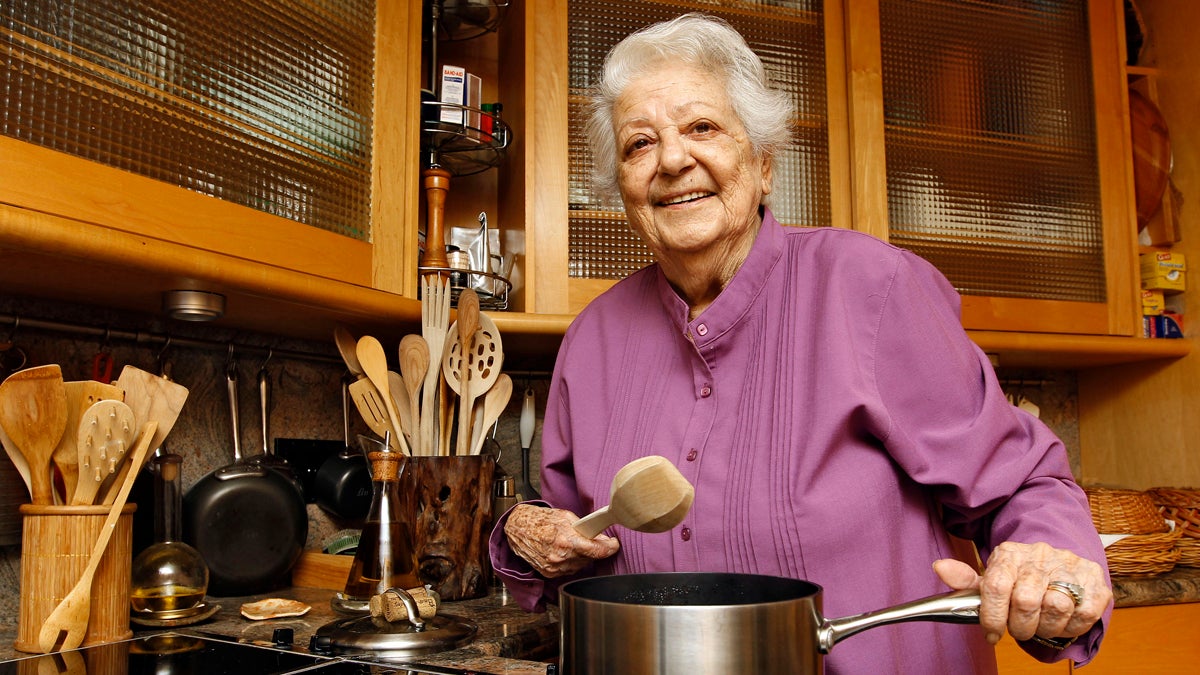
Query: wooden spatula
x,y
648,495
33,412
67,625
152,398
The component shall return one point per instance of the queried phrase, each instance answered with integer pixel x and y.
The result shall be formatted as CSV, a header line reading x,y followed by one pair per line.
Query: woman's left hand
x,y
1033,589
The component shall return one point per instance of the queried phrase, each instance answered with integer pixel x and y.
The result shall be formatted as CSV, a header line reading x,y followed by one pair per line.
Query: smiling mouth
x,y
684,198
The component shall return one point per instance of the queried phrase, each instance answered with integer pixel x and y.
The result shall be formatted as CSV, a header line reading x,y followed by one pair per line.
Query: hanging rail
x,y
13,323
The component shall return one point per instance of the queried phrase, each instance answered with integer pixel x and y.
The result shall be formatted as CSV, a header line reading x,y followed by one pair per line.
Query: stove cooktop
x,y
180,654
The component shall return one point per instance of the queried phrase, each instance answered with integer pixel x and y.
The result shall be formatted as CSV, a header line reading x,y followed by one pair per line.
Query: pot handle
x,y
952,607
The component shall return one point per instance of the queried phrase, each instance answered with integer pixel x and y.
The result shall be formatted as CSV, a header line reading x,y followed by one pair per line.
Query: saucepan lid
x,y
392,640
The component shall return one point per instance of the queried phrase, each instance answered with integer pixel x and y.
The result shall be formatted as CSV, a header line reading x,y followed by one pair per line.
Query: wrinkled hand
x,y
545,538
1014,591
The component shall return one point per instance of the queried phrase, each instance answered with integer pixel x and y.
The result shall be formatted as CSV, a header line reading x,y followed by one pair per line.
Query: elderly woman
x,y
814,385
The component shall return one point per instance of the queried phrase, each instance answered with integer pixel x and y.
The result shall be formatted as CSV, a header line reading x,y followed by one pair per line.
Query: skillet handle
x,y
952,607
231,384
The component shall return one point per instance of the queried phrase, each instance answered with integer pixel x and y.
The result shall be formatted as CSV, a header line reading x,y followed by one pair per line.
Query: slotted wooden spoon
x,y
648,495
482,367
105,434
33,412
66,626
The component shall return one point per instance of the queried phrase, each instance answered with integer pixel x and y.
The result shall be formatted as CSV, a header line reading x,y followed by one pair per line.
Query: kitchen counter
x,y
508,635
505,631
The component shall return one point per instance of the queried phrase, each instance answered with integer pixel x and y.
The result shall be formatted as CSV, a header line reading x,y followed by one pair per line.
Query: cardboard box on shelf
x,y
1165,325
1163,271
453,90
1153,302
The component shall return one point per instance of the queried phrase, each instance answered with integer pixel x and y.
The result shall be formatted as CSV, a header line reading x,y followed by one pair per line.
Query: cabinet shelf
x,y
462,149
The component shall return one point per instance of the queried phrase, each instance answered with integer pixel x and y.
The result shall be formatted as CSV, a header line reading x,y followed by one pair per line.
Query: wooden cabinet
x,y
77,230
73,230
1158,639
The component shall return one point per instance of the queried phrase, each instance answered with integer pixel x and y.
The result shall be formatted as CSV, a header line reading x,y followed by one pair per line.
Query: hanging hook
x,y
164,366
231,363
12,332
270,353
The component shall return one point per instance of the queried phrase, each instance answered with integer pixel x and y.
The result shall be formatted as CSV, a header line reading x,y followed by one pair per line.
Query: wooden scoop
x,y
66,626
33,412
648,495
106,432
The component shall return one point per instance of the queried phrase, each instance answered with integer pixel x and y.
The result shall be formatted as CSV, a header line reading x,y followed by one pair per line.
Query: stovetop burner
x,y
178,653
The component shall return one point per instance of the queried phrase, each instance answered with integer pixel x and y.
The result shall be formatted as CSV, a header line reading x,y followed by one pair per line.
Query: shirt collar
x,y
737,297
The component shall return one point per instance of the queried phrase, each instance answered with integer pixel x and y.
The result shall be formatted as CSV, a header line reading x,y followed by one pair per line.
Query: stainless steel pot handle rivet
x,y
952,607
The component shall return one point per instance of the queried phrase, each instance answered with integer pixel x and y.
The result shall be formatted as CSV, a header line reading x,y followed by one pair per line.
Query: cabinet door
x,y
596,247
1005,154
228,144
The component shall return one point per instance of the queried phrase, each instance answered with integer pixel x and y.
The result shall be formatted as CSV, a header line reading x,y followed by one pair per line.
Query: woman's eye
x,y
701,128
636,144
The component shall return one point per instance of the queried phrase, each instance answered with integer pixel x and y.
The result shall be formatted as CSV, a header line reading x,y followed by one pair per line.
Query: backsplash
x,y
306,398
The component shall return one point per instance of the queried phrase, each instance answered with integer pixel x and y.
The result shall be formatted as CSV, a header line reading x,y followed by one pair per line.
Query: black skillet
x,y
247,520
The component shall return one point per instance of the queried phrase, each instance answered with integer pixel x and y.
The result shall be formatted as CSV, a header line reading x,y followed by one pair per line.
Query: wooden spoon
x,y
494,403
18,460
648,495
33,412
467,323
399,394
105,434
348,348
374,363
414,364
66,626
81,394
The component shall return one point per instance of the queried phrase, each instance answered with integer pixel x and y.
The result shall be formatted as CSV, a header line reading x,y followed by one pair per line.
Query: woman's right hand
x,y
547,540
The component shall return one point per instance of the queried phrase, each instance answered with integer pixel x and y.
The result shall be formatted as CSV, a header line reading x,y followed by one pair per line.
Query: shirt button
x,y
702,330
691,456
686,534
705,391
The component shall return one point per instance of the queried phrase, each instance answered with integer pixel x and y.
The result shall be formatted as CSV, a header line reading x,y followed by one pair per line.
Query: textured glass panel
x,y
788,35
991,157
264,103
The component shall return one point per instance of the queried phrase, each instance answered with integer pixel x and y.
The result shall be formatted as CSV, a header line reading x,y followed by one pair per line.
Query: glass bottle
x,y
385,557
169,578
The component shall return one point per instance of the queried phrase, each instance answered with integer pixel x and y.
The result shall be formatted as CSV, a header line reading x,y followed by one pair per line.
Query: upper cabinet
x,y
260,150
990,137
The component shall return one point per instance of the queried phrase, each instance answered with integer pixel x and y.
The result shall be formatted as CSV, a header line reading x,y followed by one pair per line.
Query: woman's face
x,y
688,177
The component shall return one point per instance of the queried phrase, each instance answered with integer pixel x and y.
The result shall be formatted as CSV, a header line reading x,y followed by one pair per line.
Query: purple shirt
x,y
838,426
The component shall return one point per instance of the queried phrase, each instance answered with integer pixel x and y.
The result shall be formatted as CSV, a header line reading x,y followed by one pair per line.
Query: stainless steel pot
x,y
687,623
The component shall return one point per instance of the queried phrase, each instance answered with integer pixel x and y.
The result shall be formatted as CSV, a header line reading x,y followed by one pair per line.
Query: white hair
x,y
705,42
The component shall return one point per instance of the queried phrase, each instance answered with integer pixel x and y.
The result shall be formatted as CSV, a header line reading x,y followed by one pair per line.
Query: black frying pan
x,y
247,520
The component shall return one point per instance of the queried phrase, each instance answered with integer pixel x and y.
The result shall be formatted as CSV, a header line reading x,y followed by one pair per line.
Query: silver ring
x,y
1073,591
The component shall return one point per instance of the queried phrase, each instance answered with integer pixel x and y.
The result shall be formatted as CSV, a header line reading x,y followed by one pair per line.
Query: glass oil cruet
x,y
169,578
386,557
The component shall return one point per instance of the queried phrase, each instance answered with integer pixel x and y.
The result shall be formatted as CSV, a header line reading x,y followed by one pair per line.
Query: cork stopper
x,y
385,466
389,607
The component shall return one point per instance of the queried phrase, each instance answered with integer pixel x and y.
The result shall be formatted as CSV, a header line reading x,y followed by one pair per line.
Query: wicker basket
x,y
1182,505
1151,549
1116,511
1143,555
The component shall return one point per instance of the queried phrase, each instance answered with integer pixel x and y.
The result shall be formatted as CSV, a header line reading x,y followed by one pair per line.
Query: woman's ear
x,y
768,174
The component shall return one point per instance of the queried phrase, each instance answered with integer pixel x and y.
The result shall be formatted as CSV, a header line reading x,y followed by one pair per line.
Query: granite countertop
x,y
505,631
508,636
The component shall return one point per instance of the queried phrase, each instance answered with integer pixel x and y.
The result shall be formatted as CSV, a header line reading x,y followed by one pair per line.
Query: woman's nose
x,y
674,154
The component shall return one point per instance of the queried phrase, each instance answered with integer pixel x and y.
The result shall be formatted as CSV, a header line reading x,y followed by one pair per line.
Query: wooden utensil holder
x,y
452,522
55,546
